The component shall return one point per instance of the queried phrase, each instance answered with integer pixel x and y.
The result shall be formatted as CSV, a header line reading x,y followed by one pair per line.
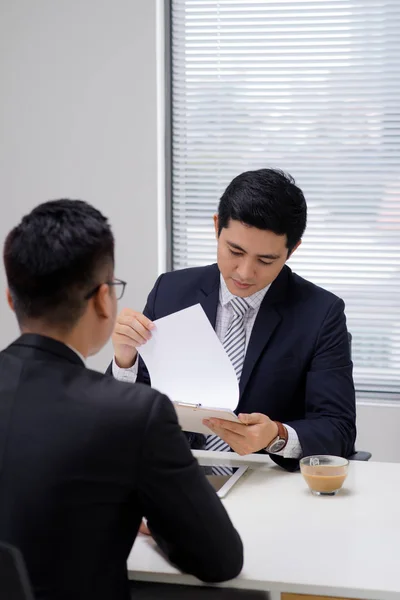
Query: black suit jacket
x,y
297,367
82,458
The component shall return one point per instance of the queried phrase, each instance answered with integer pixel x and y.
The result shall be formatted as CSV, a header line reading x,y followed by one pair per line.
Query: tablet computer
x,y
224,483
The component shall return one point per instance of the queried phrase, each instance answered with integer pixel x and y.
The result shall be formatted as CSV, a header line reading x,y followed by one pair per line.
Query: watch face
x,y
277,446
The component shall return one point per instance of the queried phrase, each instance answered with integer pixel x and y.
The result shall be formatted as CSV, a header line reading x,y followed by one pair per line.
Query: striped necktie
x,y
235,345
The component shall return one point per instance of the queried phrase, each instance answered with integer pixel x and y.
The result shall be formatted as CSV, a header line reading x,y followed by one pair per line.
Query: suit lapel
x,y
209,294
266,322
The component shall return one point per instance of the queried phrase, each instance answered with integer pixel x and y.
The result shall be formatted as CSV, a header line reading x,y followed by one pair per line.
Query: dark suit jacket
x,y
297,368
82,458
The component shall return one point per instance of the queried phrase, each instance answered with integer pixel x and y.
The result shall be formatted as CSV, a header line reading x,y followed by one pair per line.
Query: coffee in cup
x,y
324,474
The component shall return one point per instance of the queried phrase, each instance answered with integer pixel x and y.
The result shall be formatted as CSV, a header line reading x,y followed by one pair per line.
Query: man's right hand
x,y
132,330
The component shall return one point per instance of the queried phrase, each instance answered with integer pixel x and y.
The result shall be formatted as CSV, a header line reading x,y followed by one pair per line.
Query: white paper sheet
x,y
187,361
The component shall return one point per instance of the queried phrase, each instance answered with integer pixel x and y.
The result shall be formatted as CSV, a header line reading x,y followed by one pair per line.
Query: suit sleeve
x,y
185,516
149,311
329,426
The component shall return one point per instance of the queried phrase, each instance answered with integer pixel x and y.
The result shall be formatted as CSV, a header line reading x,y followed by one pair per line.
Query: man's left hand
x,y
255,432
143,528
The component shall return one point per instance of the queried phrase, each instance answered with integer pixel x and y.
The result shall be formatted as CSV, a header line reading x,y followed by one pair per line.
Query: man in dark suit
x,y
289,344
84,457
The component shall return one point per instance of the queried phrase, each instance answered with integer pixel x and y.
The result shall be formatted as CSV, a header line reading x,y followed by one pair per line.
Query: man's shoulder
x,y
107,386
76,385
191,274
306,290
105,393
179,289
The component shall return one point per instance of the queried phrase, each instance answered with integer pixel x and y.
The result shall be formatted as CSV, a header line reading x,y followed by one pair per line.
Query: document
x,y
187,362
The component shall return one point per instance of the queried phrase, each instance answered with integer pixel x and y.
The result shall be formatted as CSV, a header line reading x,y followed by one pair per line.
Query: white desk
x,y
346,546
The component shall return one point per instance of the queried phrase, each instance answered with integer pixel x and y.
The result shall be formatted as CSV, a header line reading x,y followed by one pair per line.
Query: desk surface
x,y
347,545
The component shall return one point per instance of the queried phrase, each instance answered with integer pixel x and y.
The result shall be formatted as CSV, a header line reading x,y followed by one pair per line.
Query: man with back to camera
x,y
286,337
82,456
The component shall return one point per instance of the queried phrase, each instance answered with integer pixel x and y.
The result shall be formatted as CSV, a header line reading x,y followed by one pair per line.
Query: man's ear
x,y
294,249
10,300
216,225
102,302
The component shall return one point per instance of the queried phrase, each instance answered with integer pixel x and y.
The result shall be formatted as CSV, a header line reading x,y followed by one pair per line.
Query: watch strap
x,y
282,435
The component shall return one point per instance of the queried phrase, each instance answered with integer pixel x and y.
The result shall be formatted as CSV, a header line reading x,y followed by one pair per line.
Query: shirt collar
x,y
254,301
83,359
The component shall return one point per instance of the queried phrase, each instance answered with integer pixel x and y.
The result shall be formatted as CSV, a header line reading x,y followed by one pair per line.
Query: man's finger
x,y
144,529
237,442
230,437
228,426
141,329
127,312
129,334
135,324
126,319
252,418
243,441
143,320
128,316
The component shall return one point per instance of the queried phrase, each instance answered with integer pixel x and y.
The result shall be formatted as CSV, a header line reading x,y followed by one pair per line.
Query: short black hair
x,y
266,199
54,257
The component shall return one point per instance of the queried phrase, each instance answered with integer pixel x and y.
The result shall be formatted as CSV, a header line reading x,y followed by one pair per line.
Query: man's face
x,y
249,258
104,313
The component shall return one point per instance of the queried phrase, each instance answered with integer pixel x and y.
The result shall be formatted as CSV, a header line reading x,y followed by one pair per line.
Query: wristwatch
x,y
280,441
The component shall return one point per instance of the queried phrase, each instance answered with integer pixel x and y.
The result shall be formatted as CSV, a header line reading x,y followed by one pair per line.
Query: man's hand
x,y
143,528
255,432
132,330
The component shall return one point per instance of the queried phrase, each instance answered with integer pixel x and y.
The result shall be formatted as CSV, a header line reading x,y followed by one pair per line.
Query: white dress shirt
x,y
224,317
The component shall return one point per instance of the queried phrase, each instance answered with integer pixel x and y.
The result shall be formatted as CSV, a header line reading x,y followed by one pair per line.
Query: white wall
x,y
378,425
78,119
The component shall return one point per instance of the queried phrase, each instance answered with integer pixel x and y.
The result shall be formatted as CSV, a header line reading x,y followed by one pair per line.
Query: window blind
x,y
311,87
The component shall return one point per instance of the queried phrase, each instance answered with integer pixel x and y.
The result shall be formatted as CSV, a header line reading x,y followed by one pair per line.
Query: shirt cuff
x,y
129,375
293,447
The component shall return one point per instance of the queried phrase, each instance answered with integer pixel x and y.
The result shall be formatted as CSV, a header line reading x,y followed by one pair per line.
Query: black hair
x,y
267,199
54,257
